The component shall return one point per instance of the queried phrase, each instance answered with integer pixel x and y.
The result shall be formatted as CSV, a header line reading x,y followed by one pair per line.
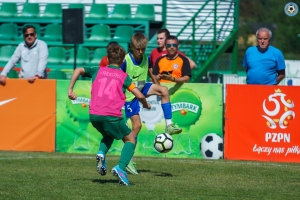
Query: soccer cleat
x,y
101,163
172,129
131,168
122,175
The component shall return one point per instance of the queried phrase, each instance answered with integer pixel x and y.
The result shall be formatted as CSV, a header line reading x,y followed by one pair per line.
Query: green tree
x,y
272,12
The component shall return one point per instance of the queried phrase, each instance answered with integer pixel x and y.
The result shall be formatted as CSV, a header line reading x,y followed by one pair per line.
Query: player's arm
x,y
43,59
155,71
192,63
186,72
280,68
77,72
150,71
133,89
10,65
280,76
153,78
245,62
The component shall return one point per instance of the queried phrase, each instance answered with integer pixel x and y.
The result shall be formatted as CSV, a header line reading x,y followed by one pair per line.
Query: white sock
x,y
168,122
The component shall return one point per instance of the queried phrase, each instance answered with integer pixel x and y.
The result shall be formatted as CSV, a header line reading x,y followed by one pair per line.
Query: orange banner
x,y
262,123
28,113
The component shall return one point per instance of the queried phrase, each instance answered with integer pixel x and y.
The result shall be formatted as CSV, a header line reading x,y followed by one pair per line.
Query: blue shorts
x,y
133,107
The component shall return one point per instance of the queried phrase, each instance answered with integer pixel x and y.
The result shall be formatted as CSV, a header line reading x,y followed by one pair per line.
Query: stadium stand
x,y
98,11
98,54
13,74
8,9
77,5
145,11
6,52
53,32
100,32
200,32
56,74
30,10
56,55
8,31
82,56
123,33
53,10
121,11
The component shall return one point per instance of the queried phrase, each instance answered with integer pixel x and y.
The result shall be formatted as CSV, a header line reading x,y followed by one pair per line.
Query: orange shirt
x,y
179,66
104,62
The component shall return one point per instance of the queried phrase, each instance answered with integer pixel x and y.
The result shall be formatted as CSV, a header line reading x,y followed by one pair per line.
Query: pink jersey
x,y
107,96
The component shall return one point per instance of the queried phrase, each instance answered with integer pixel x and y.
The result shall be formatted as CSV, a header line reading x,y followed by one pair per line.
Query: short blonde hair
x,y
138,41
115,54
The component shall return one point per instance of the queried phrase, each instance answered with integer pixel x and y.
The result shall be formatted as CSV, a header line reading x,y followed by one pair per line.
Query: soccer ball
x,y
163,143
211,146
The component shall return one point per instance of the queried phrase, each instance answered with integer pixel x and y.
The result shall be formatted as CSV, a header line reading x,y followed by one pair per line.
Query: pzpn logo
x,y
278,110
291,9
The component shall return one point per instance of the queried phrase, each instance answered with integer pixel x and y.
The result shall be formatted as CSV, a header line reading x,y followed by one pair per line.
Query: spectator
x,y
104,60
161,50
264,63
33,54
172,67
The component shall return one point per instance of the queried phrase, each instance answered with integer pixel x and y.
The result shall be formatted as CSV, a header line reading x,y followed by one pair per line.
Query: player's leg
x,y
132,110
126,154
136,127
163,91
105,145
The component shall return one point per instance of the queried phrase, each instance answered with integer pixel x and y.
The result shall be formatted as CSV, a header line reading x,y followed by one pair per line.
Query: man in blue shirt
x,y
264,63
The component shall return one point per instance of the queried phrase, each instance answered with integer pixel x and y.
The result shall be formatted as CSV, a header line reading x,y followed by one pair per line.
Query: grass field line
x,y
152,159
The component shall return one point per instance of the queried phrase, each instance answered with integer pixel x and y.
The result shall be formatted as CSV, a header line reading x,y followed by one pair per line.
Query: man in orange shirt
x,y
172,67
161,50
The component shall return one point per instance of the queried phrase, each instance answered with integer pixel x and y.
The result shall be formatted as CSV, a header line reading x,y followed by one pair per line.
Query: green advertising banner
x,y
196,108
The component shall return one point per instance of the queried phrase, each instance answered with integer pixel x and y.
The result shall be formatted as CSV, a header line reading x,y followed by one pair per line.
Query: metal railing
x,y
209,33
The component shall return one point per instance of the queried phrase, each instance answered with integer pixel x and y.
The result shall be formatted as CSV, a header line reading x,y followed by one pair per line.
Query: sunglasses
x,y
170,45
30,34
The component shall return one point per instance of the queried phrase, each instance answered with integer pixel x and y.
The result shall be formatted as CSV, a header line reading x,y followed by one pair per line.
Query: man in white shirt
x,y
33,54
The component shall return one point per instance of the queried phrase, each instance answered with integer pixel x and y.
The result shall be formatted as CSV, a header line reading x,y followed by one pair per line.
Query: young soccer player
x,y
137,65
107,99
104,60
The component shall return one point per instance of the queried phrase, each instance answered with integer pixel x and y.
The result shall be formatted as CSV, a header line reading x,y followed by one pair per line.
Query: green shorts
x,y
114,127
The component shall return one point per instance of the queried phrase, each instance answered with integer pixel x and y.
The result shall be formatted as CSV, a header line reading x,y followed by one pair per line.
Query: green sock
x,y
105,144
126,155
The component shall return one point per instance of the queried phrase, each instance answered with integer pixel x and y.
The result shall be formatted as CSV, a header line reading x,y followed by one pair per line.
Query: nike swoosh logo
x,y
134,77
6,101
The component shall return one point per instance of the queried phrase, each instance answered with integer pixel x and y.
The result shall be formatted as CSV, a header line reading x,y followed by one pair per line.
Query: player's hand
x,y
32,79
2,80
167,77
72,95
158,77
148,106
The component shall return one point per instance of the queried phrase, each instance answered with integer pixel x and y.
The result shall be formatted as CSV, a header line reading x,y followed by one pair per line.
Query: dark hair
x,y
25,28
112,43
164,30
171,37
115,54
